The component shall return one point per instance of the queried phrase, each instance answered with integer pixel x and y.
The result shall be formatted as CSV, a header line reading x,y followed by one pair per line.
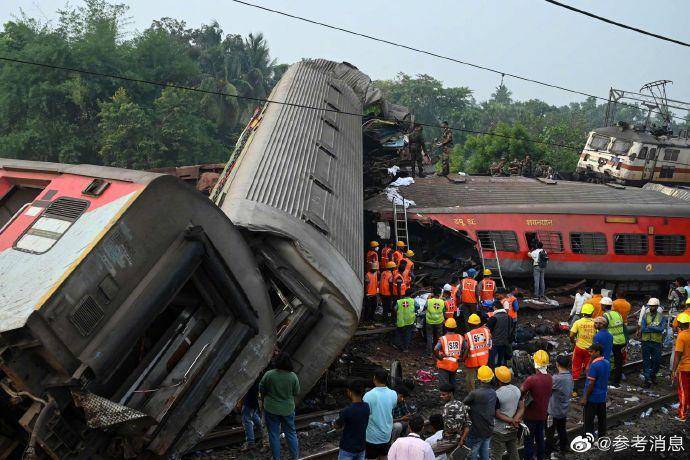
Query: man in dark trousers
x,y
500,325
446,143
416,138
596,387
482,402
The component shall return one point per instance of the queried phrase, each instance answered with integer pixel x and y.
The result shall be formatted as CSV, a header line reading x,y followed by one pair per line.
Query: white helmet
x,y
607,301
653,301
447,287
464,274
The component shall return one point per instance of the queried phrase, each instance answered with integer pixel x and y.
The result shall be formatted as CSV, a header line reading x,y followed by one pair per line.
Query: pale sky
x,y
525,37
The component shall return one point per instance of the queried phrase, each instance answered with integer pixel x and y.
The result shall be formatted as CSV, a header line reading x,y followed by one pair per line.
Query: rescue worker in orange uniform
x,y
399,289
406,267
478,348
371,294
387,291
622,306
595,301
372,257
450,350
386,255
399,253
487,287
448,301
469,297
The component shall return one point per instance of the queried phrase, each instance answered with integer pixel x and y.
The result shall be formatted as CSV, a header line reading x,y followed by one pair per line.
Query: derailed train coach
x,y
134,313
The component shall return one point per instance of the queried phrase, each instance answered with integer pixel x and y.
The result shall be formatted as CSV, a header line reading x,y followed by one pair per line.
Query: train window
x,y
630,243
620,147
671,154
552,241
667,172
505,240
54,222
643,154
652,154
669,245
588,243
599,142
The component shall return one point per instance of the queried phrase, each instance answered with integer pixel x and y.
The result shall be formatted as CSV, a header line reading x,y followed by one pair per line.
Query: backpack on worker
x,y
543,259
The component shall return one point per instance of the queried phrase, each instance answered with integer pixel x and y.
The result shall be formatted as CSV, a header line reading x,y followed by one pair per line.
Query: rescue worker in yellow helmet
x,y
387,291
505,435
582,337
680,373
539,387
434,315
372,257
406,267
478,346
482,403
399,252
404,322
487,287
450,350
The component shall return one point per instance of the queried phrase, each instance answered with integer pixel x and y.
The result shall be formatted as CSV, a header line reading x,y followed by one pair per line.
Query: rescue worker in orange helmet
x,y
478,346
469,297
371,294
450,350
399,253
372,257
387,291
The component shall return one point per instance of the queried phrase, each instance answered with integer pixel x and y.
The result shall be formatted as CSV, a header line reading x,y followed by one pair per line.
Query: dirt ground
x,y
424,399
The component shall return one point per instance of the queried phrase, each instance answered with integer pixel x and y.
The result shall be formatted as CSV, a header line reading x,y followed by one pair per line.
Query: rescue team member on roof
x,y
539,387
372,257
582,335
387,291
446,143
416,138
371,294
469,296
450,350
505,436
653,328
594,399
680,374
501,327
482,403
616,326
435,308
399,252
478,346
404,323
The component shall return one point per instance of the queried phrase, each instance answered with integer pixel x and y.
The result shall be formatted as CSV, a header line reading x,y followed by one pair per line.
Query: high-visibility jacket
x,y
372,283
615,326
385,256
656,322
469,290
510,299
451,348
596,303
487,288
451,308
454,293
434,311
386,283
478,344
404,312
372,258
398,256
399,278
407,272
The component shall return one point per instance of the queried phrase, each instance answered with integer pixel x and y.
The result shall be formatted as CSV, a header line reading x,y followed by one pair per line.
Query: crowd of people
x,y
469,327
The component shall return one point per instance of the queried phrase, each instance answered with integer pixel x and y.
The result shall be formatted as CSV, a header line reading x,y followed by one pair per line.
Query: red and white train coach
x,y
594,231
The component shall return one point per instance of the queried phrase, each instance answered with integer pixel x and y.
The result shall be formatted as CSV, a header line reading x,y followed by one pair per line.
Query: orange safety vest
x,y
385,256
487,287
469,290
451,347
451,308
403,287
385,284
397,257
372,258
372,284
454,292
409,265
512,313
479,344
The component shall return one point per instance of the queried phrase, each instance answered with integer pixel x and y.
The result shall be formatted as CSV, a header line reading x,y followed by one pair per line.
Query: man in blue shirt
x,y
353,420
653,327
381,400
596,386
603,337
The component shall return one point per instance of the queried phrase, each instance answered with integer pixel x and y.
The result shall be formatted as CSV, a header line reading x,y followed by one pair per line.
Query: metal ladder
x,y
488,262
400,223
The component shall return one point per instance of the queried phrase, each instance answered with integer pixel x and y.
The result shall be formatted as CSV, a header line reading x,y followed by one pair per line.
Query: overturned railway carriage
x,y
595,231
632,156
132,312
294,184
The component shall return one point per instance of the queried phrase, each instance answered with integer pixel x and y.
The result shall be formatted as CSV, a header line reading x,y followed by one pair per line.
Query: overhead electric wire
x,y
262,100
432,53
618,24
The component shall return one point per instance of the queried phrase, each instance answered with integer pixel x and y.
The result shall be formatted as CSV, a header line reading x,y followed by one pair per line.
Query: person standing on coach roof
x,y
416,138
446,143
381,400
278,389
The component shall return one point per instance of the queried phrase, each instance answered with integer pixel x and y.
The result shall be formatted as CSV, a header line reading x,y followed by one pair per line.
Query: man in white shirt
x,y
412,447
436,422
539,286
581,297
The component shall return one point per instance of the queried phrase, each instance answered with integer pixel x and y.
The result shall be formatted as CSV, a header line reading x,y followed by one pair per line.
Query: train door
x,y
650,163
